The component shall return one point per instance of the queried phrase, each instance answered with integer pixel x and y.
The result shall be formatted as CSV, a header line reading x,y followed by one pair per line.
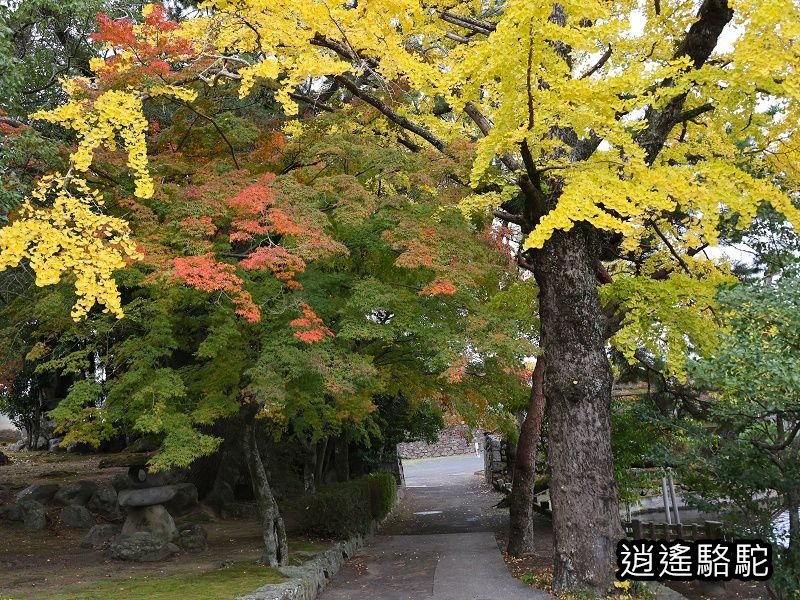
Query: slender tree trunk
x,y
577,385
342,459
223,490
276,551
520,538
793,553
322,455
309,466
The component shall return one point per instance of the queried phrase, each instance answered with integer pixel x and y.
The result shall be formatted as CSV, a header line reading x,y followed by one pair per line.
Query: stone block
x,y
40,492
33,513
151,519
147,496
76,517
141,546
78,492
99,535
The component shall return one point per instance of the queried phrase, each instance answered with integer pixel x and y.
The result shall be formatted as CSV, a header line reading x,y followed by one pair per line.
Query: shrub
x,y
383,493
340,510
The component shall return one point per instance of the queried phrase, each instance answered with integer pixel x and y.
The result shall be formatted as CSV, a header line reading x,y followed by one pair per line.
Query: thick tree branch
x,y
693,113
782,445
390,113
511,218
218,129
599,64
529,174
312,102
456,37
671,248
467,22
698,44
343,50
11,121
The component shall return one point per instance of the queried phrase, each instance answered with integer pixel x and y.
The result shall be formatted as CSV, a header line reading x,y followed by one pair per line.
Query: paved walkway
x,y
439,543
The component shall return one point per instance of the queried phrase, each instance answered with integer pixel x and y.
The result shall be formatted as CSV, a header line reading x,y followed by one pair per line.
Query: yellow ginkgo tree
x,y
616,136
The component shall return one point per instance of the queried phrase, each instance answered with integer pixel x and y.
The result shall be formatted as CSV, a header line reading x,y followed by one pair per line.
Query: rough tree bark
x,y
521,535
276,550
577,385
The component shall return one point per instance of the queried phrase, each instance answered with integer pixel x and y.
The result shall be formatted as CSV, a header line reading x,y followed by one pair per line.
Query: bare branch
x,y
697,45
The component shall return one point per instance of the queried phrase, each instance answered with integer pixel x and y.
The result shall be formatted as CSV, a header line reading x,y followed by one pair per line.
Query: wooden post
x,y
636,524
714,529
673,495
665,496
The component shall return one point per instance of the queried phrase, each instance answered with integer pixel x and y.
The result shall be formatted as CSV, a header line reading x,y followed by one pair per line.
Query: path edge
x,y
308,580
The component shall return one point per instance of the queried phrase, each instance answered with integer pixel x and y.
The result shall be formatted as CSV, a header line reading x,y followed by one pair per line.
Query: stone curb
x,y
308,580
662,592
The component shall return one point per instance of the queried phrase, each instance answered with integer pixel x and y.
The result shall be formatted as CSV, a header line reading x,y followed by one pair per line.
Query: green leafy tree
x,y
744,458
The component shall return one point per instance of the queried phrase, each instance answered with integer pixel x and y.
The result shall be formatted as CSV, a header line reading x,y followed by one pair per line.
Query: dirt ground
x,y
540,564
33,562
56,467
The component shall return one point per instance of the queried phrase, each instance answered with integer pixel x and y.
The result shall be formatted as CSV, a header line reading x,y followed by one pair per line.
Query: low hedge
x,y
340,510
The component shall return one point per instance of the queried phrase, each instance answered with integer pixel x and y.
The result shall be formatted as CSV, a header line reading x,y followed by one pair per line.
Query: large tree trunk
x,y
577,385
520,538
276,551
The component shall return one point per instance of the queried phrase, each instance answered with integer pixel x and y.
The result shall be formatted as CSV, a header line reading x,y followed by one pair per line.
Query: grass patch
x,y
224,583
301,544
301,550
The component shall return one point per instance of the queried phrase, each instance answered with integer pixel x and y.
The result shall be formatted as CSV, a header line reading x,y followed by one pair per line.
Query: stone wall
x,y
496,467
452,441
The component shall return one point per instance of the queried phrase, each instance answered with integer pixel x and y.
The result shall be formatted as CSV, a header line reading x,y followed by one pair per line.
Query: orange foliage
x,y
206,274
155,43
310,328
280,261
438,286
500,237
415,254
198,226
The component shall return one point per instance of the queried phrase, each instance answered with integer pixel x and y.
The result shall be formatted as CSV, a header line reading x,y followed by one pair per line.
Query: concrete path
x,y
439,544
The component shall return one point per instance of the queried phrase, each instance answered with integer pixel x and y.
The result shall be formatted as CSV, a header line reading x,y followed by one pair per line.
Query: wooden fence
x,y
647,530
